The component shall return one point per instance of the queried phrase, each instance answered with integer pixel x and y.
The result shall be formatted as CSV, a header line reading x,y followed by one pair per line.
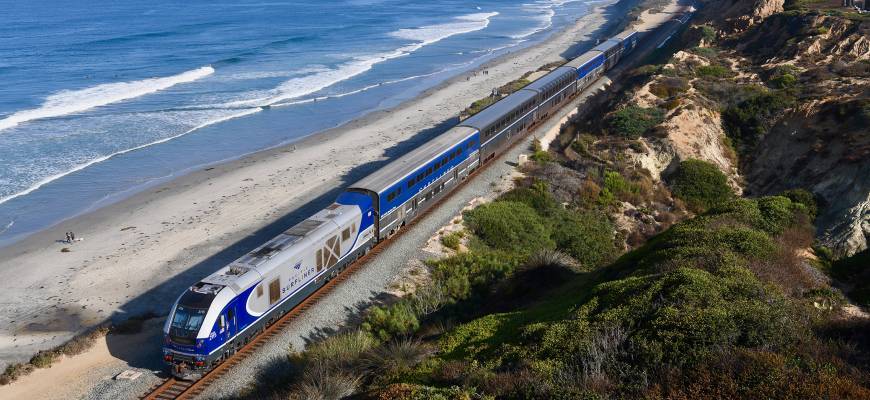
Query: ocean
x,y
101,99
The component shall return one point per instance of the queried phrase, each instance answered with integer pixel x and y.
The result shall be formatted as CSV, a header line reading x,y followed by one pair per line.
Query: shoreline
x,y
110,199
176,232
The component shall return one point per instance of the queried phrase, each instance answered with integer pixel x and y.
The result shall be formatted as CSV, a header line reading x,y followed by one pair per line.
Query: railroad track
x,y
172,388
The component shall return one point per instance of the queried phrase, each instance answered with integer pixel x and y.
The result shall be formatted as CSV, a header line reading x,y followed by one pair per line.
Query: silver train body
x,y
221,313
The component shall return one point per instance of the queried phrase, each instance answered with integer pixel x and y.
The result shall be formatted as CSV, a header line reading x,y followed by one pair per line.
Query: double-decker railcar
x,y
405,187
219,314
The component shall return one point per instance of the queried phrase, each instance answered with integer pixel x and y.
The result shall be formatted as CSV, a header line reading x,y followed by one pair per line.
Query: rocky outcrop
x,y
691,130
737,16
824,148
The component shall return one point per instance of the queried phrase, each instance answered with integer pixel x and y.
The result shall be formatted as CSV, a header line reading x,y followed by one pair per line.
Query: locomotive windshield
x,y
188,319
188,316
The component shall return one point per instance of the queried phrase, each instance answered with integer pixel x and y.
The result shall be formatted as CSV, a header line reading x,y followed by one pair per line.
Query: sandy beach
x,y
137,255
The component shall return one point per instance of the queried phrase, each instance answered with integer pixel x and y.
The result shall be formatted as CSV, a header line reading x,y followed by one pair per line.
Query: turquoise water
x,y
100,99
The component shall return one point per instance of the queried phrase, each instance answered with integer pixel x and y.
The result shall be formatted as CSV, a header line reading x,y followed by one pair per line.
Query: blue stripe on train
x,y
427,174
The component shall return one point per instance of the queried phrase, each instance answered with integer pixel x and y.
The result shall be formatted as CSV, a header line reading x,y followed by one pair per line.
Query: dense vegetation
x,y
633,121
700,184
589,280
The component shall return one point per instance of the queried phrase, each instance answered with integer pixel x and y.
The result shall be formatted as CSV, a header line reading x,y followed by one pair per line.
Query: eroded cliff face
x,y
818,141
822,144
739,15
691,129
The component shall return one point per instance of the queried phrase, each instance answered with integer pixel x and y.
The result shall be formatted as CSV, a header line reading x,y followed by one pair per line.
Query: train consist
x,y
221,313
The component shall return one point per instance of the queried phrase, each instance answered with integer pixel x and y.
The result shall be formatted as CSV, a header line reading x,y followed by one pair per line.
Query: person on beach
x,y
72,236
68,238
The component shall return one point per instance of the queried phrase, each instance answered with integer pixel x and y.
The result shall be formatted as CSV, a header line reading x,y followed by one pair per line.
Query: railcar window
x,y
260,291
274,291
345,234
411,183
428,171
437,164
319,259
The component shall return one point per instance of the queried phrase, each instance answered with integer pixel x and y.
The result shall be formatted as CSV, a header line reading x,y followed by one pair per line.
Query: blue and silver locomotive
x,y
221,313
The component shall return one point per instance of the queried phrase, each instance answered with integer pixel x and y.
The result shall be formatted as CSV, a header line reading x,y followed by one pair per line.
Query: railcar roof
x,y
624,34
553,75
386,176
583,58
607,45
494,112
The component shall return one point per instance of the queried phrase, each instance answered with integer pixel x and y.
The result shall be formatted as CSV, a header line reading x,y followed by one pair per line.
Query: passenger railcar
x,y
500,123
412,183
553,89
221,313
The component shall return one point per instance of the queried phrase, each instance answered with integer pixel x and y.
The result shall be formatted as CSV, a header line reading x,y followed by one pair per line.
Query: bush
x,y
713,71
509,225
458,276
536,196
548,258
388,322
669,87
322,383
340,351
805,198
747,121
708,33
633,121
700,184
396,357
452,239
44,359
588,236
14,371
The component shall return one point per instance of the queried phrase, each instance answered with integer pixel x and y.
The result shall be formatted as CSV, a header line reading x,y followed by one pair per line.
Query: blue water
x,y
101,98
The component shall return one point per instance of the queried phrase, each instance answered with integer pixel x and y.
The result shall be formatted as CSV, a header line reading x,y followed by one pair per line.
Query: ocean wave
x,y
545,16
6,228
302,86
426,35
44,181
74,101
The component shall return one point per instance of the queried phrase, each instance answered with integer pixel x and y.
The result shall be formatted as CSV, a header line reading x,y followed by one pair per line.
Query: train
x,y
218,315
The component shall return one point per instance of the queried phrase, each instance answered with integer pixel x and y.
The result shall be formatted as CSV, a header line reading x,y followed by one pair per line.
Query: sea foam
x,y
74,101
423,36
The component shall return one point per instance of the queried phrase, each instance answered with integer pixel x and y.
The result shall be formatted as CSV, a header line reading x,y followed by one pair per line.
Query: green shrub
x,y
44,359
509,225
700,184
341,351
747,121
387,322
713,71
706,52
708,33
633,121
541,156
452,239
805,198
588,237
536,196
459,275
